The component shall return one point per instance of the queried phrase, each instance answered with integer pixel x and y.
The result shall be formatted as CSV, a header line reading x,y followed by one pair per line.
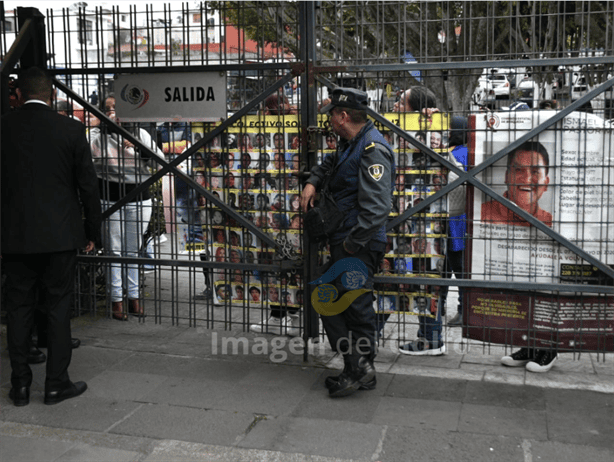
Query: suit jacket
x,y
48,184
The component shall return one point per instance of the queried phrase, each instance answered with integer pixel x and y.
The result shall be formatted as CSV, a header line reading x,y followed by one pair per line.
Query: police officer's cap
x,y
350,98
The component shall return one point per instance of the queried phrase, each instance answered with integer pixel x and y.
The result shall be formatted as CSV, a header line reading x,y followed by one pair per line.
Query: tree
x,y
378,32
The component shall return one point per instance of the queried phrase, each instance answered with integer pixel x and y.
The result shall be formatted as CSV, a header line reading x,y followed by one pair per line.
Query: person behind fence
x,y
50,208
527,180
457,224
421,99
121,167
361,184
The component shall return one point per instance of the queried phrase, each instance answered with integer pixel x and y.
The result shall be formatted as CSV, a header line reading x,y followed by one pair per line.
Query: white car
x,y
499,86
491,87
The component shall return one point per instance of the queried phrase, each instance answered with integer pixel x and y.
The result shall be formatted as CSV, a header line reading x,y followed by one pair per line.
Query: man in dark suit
x,y
48,185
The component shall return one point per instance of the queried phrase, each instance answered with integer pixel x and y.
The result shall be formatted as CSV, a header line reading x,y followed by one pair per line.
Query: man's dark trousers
x,y
359,318
54,272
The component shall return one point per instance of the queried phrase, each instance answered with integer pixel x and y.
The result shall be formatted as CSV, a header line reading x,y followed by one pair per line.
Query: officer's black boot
x,y
361,372
334,379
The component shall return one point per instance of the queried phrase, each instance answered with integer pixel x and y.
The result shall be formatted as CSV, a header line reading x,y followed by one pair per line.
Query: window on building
x,y
86,31
7,26
196,18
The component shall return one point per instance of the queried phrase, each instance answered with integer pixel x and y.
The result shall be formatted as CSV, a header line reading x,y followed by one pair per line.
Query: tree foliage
x,y
378,32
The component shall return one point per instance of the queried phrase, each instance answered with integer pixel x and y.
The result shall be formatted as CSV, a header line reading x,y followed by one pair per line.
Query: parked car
x,y
491,87
500,86
528,92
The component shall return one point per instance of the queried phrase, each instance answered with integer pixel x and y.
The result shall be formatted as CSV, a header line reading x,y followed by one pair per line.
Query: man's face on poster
x,y
260,140
273,295
255,293
278,160
419,245
527,179
278,139
435,140
214,160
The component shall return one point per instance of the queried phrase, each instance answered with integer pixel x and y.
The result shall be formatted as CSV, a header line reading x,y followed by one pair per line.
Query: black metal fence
x,y
224,245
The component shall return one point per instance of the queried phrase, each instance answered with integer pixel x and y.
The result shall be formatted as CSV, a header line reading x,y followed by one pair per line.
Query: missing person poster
x,y
564,178
253,168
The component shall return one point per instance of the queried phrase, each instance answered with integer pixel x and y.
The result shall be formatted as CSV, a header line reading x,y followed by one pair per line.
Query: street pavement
x,y
161,392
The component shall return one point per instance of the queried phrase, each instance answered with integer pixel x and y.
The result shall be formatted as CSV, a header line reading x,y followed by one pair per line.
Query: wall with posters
x,y
564,177
253,169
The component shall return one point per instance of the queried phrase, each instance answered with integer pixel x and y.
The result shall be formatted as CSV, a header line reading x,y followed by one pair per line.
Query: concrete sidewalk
x,y
168,393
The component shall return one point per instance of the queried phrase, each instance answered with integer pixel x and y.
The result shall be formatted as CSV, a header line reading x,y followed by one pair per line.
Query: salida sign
x,y
189,97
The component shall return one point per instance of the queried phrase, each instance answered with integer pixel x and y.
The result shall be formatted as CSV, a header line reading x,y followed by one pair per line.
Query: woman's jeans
x,y
123,235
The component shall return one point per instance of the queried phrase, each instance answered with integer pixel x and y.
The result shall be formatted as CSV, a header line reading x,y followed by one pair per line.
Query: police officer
x,y
361,183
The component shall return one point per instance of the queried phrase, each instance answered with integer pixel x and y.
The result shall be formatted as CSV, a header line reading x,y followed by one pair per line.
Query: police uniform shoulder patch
x,y
376,171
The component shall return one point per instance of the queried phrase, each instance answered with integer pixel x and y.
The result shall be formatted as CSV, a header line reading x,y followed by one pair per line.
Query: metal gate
x,y
497,64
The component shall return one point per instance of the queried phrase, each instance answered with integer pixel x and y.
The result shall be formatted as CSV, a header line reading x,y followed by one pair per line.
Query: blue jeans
x,y
430,328
123,235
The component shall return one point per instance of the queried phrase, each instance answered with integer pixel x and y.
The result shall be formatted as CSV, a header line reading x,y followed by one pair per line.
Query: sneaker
x,y
543,362
518,359
422,347
456,321
288,325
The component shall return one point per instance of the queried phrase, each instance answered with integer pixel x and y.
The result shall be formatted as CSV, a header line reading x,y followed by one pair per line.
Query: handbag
x,y
325,218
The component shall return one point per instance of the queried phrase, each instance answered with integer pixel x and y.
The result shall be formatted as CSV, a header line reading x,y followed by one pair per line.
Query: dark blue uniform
x,y
362,183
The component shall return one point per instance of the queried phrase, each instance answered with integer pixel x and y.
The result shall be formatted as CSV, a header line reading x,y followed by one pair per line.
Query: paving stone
x,y
85,412
404,386
552,451
432,445
580,417
181,366
418,413
85,452
507,421
128,386
504,395
330,438
180,451
16,449
359,407
186,424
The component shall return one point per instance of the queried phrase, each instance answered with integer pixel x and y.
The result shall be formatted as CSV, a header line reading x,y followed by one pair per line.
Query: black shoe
x,y
362,373
334,379
71,391
35,356
20,396
519,358
543,362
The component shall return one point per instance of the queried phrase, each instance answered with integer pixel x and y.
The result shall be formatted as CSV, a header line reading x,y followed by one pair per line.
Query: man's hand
x,y
308,197
90,246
